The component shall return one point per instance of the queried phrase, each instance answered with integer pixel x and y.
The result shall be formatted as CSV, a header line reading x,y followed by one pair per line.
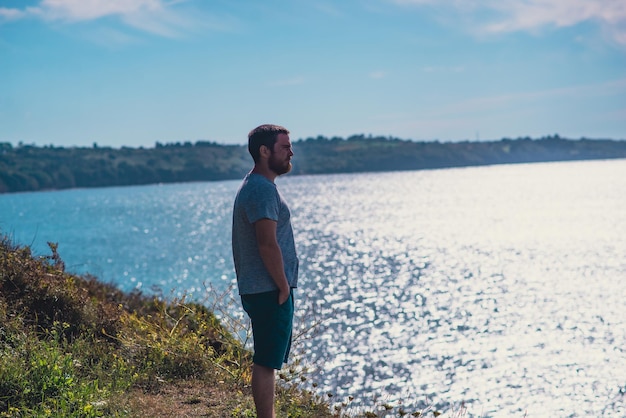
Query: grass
x,y
72,346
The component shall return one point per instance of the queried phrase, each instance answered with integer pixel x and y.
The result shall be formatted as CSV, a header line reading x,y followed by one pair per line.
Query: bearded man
x,y
265,259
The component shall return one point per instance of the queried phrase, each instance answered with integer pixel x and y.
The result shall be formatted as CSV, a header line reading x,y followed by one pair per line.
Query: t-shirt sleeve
x,y
262,204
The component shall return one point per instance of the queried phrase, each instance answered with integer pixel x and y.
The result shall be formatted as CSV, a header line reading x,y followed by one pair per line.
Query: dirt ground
x,y
189,399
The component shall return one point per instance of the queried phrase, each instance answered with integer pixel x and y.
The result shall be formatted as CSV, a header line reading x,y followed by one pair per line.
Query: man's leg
x,y
263,390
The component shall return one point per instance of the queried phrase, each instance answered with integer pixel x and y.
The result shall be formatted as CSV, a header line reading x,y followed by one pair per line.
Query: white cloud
x,y
521,15
10,14
378,74
493,103
94,9
532,15
110,37
160,17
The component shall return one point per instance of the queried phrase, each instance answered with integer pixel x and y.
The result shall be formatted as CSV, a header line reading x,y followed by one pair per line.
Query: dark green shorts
x,y
272,326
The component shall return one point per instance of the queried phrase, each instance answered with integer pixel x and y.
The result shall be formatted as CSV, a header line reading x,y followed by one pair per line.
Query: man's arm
x,y
272,256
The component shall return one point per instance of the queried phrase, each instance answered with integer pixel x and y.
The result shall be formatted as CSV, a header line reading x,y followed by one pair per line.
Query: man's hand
x,y
283,295
272,257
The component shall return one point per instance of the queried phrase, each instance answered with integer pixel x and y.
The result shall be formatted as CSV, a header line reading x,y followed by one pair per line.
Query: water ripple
x,y
498,286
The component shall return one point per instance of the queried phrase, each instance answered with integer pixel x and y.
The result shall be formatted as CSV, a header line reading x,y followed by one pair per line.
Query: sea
x,y
499,289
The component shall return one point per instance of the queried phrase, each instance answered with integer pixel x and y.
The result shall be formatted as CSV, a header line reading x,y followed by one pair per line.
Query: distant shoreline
x,y
30,168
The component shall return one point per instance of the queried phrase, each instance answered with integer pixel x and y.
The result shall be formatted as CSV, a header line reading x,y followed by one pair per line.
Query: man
x,y
265,259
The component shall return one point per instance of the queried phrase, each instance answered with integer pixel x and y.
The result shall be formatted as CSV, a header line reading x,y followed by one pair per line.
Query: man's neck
x,y
265,172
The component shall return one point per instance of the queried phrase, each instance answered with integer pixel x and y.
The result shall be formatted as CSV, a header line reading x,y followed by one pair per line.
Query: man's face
x,y
280,160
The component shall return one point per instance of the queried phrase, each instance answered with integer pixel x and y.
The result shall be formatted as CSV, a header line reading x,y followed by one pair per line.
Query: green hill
x,y
31,168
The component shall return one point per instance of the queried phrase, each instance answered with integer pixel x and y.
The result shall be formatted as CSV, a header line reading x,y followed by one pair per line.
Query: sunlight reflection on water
x,y
499,286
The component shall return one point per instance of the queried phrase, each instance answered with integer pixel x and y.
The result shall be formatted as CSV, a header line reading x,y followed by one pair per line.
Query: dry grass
x,y
74,347
183,399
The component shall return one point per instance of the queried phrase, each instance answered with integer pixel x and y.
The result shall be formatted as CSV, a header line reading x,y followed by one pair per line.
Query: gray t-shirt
x,y
258,198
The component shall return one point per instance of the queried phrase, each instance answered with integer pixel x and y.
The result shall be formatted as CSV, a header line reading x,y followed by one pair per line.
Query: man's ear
x,y
265,151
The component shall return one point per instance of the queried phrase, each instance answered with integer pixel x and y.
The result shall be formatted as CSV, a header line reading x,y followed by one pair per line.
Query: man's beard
x,y
279,167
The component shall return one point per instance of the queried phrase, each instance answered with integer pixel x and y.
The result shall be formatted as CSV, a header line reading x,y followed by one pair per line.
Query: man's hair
x,y
263,135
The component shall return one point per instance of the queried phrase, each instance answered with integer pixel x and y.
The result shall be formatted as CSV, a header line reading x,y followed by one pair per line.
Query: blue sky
x,y
134,72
